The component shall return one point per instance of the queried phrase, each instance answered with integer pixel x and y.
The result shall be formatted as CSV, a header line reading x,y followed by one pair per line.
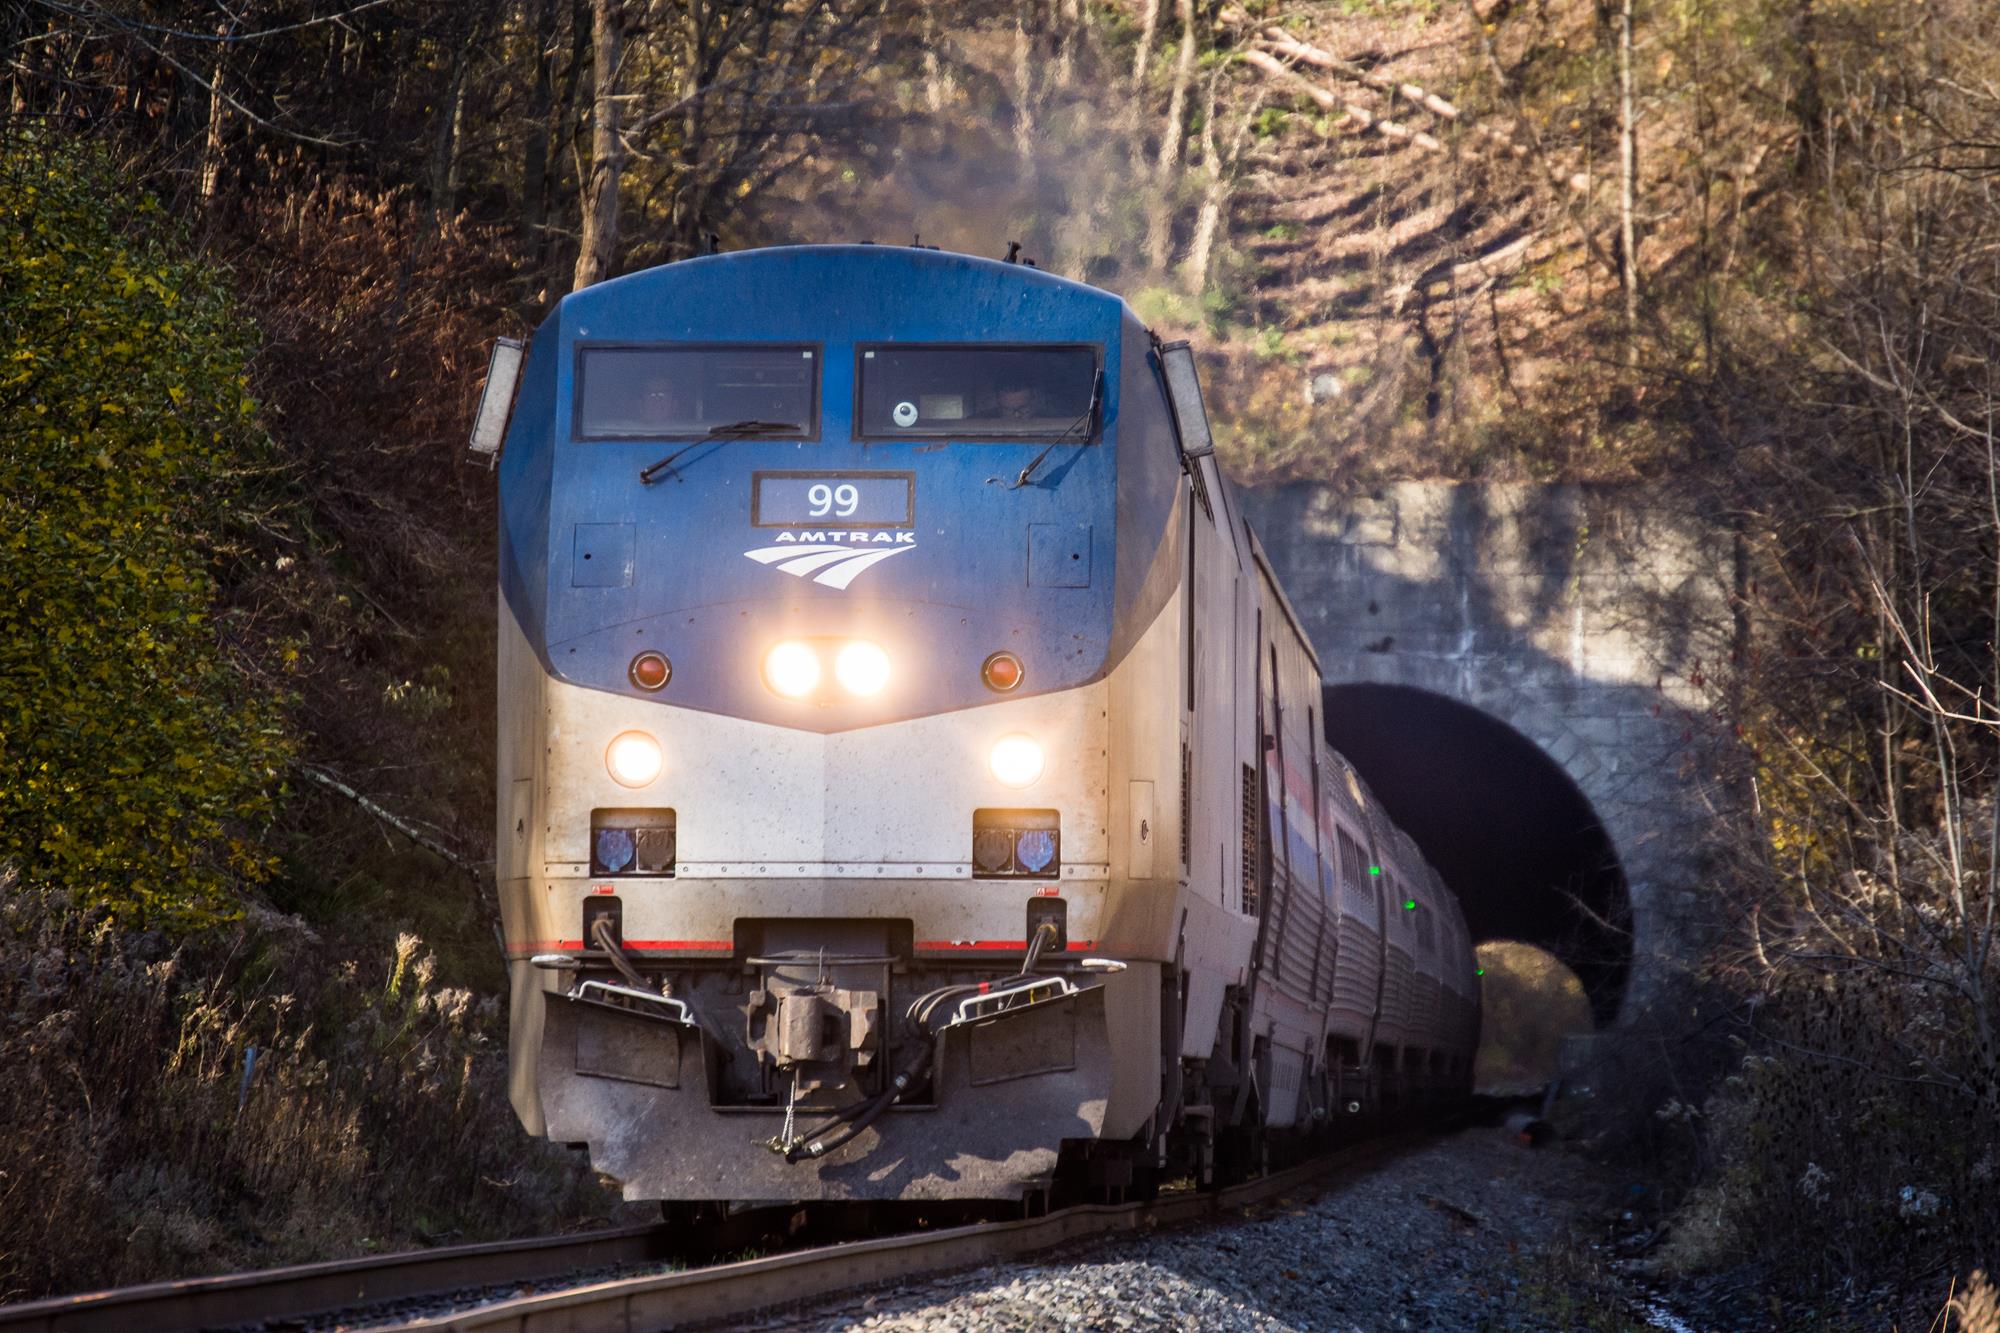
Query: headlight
x,y
861,667
792,669
1017,760
633,758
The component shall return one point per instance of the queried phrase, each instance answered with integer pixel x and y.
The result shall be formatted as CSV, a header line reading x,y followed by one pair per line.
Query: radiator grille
x,y
1252,829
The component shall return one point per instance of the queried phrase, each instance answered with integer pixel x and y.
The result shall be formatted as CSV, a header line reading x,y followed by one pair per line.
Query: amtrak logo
x,y
832,559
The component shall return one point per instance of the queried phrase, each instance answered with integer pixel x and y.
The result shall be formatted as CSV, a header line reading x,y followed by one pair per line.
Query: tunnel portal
x,y
1502,823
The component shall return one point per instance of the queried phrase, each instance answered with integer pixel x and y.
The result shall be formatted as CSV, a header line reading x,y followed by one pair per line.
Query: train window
x,y
666,392
1357,892
976,390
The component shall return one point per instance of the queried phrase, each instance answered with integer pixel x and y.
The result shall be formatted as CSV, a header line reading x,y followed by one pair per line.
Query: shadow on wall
x,y
1519,672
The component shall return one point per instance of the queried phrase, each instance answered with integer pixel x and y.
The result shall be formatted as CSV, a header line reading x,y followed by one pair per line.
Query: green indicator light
x,y
1478,971
1374,870
1409,904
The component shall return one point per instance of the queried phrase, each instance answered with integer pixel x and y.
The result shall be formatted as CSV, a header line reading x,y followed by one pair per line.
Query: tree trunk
x,y
599,244
1628,171
210,176
1024,87
1135,102
444,170
1160,227
702,35
13,31
1194,270
1215,197
1170,136
1149,23
1068,29
535,155
937,79
569,167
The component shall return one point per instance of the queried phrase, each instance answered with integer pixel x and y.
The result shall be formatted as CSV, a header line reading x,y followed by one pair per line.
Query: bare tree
x,y
1628,176
210,173
598,245
1159,229
1218,171
733,95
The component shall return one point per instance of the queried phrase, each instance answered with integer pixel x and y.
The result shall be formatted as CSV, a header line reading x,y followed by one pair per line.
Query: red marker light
x,y
1001,672
651,670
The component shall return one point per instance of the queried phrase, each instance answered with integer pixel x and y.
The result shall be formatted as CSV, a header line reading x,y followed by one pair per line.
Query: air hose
x,y
600,935
858,1116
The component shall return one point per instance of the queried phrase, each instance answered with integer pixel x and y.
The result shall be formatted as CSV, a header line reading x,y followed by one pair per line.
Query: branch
x,y
397,822
220,38
1353,111
240,109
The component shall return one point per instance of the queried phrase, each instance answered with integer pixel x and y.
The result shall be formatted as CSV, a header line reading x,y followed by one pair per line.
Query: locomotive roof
x,y
866,264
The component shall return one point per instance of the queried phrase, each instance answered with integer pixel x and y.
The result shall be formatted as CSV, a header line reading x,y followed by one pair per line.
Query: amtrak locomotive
x,y
911,777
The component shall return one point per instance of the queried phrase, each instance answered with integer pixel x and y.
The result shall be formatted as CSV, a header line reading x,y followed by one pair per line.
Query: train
x,y
911,777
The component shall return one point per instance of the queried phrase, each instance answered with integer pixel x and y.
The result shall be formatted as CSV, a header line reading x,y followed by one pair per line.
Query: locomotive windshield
x,y
1015,393
669,392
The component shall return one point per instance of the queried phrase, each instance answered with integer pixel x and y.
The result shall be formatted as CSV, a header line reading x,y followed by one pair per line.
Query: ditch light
x,y
1017,760
633,759
496,400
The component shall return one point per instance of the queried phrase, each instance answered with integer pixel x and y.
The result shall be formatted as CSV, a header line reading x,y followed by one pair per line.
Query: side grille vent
x,y
1252,829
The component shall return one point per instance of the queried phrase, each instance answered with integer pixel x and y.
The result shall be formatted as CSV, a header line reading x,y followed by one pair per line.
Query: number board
x,y
833,499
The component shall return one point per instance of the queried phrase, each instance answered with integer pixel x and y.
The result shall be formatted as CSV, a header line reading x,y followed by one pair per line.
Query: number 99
x,y
841,500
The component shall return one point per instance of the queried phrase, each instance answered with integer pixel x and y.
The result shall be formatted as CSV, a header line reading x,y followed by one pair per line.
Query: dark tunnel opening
x,y
1501,822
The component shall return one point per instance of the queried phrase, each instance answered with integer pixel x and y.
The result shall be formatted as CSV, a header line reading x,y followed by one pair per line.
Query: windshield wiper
x,y
1089,418
732,431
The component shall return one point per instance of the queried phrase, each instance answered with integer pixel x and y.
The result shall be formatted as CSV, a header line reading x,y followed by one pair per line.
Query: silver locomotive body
x,y
847,943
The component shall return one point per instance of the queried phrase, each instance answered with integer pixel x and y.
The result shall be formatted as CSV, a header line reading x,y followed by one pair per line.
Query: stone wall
x,y
1587,619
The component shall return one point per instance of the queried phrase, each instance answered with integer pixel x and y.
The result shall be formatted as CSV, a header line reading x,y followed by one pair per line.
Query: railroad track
x,y
279,1293
652,1301
724,1290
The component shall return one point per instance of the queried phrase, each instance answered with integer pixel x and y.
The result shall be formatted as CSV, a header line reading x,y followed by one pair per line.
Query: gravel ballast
x,y
1432,1237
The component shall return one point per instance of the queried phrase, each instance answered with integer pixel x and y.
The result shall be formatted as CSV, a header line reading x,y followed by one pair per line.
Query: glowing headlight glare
x,y
792,669
633,758
861,667
1017,760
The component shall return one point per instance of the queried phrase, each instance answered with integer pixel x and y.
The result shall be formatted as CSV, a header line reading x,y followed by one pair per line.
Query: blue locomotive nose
x,y
723,456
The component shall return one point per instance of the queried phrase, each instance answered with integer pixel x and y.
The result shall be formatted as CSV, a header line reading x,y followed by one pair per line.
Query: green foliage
x,y
1419,9
1164,306
1270,122
132,753
1269,342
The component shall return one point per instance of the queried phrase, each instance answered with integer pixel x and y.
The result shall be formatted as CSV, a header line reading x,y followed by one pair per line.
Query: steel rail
x,y
628,1305
304,1289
